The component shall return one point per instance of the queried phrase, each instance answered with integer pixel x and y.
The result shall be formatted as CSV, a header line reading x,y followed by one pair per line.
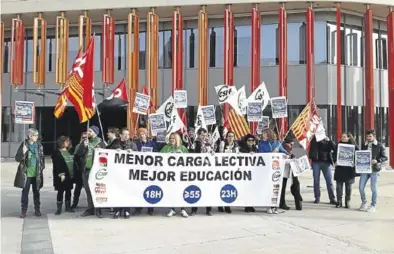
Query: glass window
x,y
295,40
216,50
120,54
6,56
268,44
142,46
167,49
73,47
97,52
50,58
376,48
191,48
161,49
320,42
384,51
212,47
29,56
243,46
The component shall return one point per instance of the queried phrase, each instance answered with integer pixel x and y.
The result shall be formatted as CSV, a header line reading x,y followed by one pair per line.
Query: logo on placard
x,y
224,93
101,173
275,189
259,95
275,163
276,176
168,109
103,160
101,200
101,188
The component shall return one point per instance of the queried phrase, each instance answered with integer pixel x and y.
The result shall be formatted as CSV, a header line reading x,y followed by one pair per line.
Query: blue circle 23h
x,y
192,194
228,193
153,194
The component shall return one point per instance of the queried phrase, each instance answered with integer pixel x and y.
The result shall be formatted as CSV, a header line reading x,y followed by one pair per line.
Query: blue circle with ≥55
x,y
228,193
153,194
192,194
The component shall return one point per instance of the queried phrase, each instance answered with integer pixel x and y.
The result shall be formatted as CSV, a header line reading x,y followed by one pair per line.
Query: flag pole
x,y
99,118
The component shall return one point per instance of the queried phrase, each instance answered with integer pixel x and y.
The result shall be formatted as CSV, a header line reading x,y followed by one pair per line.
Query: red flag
x,y
118,98
88,72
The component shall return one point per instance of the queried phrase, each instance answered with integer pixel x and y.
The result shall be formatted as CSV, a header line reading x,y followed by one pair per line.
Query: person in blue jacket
x,y
270,144
143,142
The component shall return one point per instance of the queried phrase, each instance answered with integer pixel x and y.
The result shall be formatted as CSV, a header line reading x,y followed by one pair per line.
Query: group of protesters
x,y
71,166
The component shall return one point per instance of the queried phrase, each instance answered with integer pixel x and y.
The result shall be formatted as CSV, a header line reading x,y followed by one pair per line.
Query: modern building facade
x,y
352,72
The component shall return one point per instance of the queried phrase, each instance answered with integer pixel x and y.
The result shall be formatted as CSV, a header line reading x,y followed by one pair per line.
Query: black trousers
x,y
77,192
63,192
348,191
25,194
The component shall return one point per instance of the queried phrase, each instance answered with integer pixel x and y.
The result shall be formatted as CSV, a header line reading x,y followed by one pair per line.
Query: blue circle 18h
x,y
153,194
228,193
192,194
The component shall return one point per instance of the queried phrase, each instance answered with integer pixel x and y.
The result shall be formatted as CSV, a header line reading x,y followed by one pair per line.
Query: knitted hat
x,y
95,129
144,130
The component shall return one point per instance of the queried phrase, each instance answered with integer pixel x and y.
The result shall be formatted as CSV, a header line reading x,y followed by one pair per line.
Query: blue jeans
x,y
325,168
374,184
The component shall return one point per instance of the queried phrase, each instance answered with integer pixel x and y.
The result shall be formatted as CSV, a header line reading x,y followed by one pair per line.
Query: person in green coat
x,y
175,146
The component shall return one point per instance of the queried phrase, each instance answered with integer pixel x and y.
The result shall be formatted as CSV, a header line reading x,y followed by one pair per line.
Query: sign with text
x,y
182,180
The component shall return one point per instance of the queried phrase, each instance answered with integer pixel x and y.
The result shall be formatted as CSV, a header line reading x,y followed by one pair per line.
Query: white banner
x,y
122,179
363,161
345,155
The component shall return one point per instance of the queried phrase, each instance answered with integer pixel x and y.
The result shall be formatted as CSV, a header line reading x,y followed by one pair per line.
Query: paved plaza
x,y
318,229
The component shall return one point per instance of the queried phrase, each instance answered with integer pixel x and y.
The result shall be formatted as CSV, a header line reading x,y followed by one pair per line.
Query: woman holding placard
x,y
344,175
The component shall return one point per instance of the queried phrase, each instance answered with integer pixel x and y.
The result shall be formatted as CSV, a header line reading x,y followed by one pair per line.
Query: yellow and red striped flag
x,y
237,124
60,106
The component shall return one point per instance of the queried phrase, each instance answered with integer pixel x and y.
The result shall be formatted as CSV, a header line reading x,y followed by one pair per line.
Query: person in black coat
x,y
344,175
248,145
78,168
63,173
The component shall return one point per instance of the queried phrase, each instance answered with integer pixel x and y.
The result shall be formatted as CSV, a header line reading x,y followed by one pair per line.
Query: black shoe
x,y
339,204
298,205
284,207
75,204
220,209
316,201
37,213
126,215
193,213
333,202
87,213
150,211
252,210
228,210
247,209
59,208
68,207
23,215
347,205
209,213
99,213
116,215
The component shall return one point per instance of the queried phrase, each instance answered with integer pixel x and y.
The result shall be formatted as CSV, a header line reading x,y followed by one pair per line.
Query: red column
x,y
283,122
339,75
17,52
368,71
390,38
177,51
255,58
310,55
228,53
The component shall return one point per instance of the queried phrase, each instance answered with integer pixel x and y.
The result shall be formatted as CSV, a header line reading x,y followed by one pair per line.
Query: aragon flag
x,y
118,98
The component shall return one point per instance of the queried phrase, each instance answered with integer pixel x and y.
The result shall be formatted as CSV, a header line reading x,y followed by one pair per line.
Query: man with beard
x,y
202,145
123,143
85,150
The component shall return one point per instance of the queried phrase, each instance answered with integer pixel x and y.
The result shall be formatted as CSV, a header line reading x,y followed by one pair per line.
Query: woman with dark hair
x,y
228,146
288,144
248,145
78,169
270,144
63,173
344,175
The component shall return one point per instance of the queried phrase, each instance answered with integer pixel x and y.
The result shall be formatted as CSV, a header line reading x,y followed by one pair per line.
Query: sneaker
x,y
209,213
269,211
171,213
363,207
23,215
316,201
117,215
184,214
275,210
126,215
371,209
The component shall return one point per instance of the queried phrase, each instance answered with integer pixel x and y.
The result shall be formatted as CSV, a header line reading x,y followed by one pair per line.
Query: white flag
x,y
175,122
200,121
260,94
225,92
238,101
320,131
166,108
215,135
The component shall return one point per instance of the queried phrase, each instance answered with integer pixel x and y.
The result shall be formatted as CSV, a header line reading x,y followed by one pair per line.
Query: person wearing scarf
x,y
86,151
248,145
30,156
63,174
378,154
